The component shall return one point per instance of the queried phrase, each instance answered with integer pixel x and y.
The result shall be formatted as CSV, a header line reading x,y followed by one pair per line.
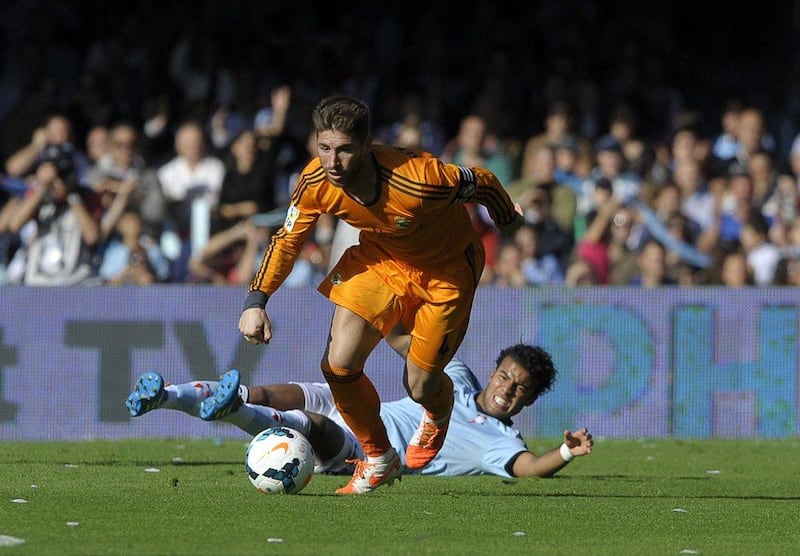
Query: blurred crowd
x,y
147,143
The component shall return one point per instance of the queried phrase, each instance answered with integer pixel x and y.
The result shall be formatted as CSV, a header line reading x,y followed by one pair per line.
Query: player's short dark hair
x,y
536,361
342,113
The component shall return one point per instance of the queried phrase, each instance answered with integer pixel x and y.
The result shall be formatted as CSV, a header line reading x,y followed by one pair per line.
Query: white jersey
x,y
476,443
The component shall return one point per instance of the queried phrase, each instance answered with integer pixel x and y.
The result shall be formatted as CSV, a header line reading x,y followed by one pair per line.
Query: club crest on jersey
x,y
478,420
402,222
337,277
291,218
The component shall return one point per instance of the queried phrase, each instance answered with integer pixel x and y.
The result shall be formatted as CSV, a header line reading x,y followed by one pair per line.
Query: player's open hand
x,y
579,442
255,326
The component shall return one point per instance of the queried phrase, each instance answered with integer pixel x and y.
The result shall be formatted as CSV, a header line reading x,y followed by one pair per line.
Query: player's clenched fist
x,y
255,326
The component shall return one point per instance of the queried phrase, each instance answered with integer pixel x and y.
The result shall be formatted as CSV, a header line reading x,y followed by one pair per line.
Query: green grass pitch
x,y
646,497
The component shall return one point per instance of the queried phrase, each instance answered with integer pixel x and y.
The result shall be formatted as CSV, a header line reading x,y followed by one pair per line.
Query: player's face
x,y
341,156
510,389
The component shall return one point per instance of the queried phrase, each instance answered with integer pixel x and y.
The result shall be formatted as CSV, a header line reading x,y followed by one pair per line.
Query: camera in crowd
x,y
62,158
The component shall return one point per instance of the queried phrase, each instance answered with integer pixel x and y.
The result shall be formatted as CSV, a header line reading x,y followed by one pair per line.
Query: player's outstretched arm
x,y
576,444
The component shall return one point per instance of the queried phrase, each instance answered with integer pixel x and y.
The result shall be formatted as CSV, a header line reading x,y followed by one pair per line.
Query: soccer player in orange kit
x,y
417,263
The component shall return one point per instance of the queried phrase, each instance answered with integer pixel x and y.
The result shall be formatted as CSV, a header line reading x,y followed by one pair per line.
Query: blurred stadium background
x,y
689,362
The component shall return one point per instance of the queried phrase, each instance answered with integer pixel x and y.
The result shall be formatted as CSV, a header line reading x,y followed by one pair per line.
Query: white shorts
x,y
319,399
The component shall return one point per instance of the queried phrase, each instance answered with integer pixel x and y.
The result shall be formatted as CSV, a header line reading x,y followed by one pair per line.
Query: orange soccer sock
x,y
358,402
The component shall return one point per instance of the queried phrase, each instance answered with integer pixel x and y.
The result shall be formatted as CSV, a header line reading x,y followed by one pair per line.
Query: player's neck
x,y
363,186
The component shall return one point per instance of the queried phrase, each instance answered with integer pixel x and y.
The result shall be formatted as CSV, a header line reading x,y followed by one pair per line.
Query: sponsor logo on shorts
x,y
337,277
402,222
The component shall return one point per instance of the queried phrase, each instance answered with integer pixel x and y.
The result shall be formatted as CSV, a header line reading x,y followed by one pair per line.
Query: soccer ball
x,y
279,460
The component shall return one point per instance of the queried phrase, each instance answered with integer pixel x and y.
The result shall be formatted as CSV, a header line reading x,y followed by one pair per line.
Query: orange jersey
x,y
417,216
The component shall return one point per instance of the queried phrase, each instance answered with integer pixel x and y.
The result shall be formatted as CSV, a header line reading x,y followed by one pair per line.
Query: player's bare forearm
x,y
576,444
529,464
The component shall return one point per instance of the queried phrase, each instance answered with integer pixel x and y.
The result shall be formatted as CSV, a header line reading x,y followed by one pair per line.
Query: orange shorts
x,y
433,305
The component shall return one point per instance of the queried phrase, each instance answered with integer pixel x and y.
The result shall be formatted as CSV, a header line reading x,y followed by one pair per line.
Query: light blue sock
x,y
255,418
188,396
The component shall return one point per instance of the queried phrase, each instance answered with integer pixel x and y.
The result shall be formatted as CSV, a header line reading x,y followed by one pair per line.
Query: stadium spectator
x,y
248,187
507,271
667,209
687,146
791,249
580,273
416,127
469,148
753,136
63,236
592,246
98,143
794,159
230,256
652,271
224,126
726,143
542,172
567,169
430,242
558,125
270,121
610,166
682,238
9,242
52,140
736,204
538,270
131,257
775,194
482,439
696,201
787,272
623,126
108,178
191,182
157,142
621,256
553,239
734,272
762,254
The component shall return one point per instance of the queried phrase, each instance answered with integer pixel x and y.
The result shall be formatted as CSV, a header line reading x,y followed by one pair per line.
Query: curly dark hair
x,y
536,361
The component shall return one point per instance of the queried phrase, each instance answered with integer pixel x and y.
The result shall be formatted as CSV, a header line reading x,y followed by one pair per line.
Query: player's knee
x,y
339,356
423,386
330,369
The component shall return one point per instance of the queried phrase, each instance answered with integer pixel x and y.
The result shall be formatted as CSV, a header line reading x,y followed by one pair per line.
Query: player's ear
x,y
530,401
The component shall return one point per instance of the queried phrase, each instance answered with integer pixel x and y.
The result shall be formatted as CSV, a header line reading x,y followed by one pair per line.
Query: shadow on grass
x,y
602,495
128,463
473,494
